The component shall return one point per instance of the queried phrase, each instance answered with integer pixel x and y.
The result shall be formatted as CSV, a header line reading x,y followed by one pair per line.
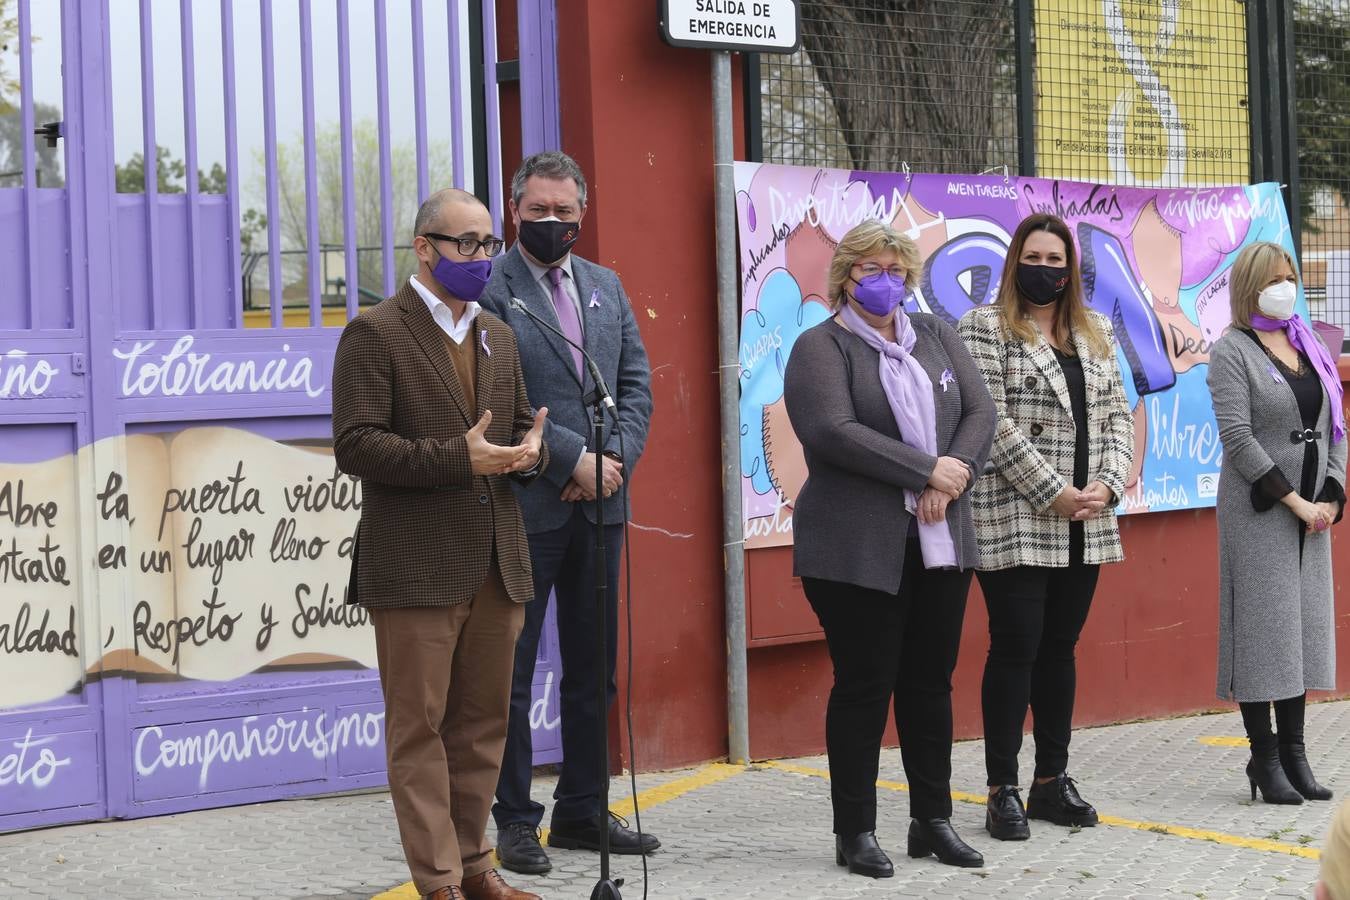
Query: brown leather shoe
x,y
490,885
446,893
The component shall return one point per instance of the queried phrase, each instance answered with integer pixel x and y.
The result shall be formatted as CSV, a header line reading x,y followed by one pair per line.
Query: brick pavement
x,y
1177,823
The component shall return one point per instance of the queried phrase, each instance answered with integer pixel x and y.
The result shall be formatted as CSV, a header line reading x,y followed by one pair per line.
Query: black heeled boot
x,y
1294,762
1293,758
936,836
1265,772
863,855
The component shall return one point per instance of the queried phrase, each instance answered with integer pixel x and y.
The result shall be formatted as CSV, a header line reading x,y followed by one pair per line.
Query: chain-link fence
x,y
1149,92
1322,92
880,84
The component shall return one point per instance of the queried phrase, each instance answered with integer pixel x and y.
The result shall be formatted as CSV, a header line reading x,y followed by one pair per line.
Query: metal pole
x,y
728,355
1026,91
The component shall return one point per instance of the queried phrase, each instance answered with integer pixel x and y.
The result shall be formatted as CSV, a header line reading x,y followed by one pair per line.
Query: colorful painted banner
x,y
1142,92
1156,261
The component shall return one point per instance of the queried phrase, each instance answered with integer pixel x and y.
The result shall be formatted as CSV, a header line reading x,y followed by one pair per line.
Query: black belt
x,y
1306,436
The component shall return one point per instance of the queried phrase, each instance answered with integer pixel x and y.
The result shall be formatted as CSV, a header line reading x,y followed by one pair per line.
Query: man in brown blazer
x,y
430,412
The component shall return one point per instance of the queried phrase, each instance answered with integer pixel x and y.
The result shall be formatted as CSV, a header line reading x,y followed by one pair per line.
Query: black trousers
x,y
564,562
883,645
1035,616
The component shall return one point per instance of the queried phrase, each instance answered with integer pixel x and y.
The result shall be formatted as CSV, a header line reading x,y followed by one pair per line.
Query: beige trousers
x,y
446,676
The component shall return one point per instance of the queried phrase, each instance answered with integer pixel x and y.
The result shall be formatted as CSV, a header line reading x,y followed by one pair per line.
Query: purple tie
x,y
567,313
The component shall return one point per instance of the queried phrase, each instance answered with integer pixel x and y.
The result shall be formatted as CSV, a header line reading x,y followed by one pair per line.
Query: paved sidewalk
x,y
1177,822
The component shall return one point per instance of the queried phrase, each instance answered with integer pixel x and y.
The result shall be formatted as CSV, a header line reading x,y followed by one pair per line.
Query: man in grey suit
x,y
587,303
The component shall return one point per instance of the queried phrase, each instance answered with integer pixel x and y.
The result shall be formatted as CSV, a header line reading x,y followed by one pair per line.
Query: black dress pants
x,y
883,645
564,562
1035,616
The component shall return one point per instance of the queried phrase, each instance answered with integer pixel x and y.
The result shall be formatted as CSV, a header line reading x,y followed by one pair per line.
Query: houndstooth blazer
x,y
429,526
1032,457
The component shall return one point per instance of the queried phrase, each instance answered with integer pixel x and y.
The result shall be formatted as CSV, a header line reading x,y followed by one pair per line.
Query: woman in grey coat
x,y
1277,399
894,418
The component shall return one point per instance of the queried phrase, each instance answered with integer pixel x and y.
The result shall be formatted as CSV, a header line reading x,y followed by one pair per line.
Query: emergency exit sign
x,y
760,26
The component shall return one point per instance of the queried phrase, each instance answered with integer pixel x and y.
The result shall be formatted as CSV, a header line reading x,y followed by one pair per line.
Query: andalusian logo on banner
x,y
1155,261
1142,91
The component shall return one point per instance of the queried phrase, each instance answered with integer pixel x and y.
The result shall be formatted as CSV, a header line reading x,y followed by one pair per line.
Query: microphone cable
x,y
628,617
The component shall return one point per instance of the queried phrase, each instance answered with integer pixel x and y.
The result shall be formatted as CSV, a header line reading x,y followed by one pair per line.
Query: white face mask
x,y
1277,301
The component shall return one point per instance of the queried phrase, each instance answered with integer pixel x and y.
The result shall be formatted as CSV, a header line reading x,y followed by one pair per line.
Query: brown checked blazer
x,y
1034,440
429,526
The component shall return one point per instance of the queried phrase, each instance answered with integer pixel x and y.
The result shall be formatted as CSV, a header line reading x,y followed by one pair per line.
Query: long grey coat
x,y
849,522
1276,625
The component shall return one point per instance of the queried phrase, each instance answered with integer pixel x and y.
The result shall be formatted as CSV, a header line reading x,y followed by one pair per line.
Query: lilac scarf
x,y
1304,339
909,391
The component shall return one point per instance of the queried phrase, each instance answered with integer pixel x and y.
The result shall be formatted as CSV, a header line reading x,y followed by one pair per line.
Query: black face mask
x,y
1042,285
548,240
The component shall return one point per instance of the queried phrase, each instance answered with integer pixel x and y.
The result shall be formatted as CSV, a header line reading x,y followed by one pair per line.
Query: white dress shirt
x,y
445,319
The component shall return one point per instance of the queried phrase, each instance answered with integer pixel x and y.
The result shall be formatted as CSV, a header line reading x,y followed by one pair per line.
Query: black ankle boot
x,y
936,836
1294,762
1264,771
863,855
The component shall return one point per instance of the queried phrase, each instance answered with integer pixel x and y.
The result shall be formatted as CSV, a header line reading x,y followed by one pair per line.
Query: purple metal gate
x,y
174,536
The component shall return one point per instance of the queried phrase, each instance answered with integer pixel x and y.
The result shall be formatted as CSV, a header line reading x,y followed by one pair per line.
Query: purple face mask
x,y
879,294
466,280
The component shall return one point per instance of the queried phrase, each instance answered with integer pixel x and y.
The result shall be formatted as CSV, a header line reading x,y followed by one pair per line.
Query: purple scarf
x,y
909,391
1304,339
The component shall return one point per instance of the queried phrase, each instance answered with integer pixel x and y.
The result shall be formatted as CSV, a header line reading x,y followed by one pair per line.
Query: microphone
x,y
606,398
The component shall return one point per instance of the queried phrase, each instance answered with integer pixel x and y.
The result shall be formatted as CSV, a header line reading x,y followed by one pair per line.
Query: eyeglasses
x,y
870,269
469,246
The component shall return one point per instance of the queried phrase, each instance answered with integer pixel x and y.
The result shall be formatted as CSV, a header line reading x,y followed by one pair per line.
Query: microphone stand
x,y
597,399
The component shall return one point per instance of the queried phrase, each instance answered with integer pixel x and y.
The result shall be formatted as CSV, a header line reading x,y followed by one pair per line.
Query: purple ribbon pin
x,y
1275,374
595,298
482,338
947,378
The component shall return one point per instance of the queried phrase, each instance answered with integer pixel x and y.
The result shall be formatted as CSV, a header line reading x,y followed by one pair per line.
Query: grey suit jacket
x,y
612,339
849,522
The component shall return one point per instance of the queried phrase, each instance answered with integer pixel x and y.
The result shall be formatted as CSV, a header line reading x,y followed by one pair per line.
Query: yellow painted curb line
x,y
1224,741
645,800
1198,834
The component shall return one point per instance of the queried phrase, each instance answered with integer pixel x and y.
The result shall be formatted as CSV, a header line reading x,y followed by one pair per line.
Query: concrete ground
x,y
1176,822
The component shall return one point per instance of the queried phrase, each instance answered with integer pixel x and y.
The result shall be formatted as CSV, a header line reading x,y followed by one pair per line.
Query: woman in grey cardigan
x,y
894,419
1277,399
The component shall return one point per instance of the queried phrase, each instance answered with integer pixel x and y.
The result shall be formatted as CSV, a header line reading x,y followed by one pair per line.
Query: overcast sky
x,y
167,59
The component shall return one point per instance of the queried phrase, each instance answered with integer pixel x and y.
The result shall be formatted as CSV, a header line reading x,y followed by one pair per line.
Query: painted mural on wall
x,y
235,558
1156,261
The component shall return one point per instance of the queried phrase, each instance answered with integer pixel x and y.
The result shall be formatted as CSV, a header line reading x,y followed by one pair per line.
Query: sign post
x,y
727,26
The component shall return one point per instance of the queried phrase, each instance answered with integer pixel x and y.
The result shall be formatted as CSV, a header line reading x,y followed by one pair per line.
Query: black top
x,y
1072,367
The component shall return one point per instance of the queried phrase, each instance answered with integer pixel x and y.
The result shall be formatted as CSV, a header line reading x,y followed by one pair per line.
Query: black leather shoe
x,y
1294,761
1058,801
936,836
863,855
1004,818
518,849
585,835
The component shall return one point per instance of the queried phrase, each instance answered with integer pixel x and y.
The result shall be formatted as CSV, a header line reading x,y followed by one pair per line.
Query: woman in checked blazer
x,y
1045,514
